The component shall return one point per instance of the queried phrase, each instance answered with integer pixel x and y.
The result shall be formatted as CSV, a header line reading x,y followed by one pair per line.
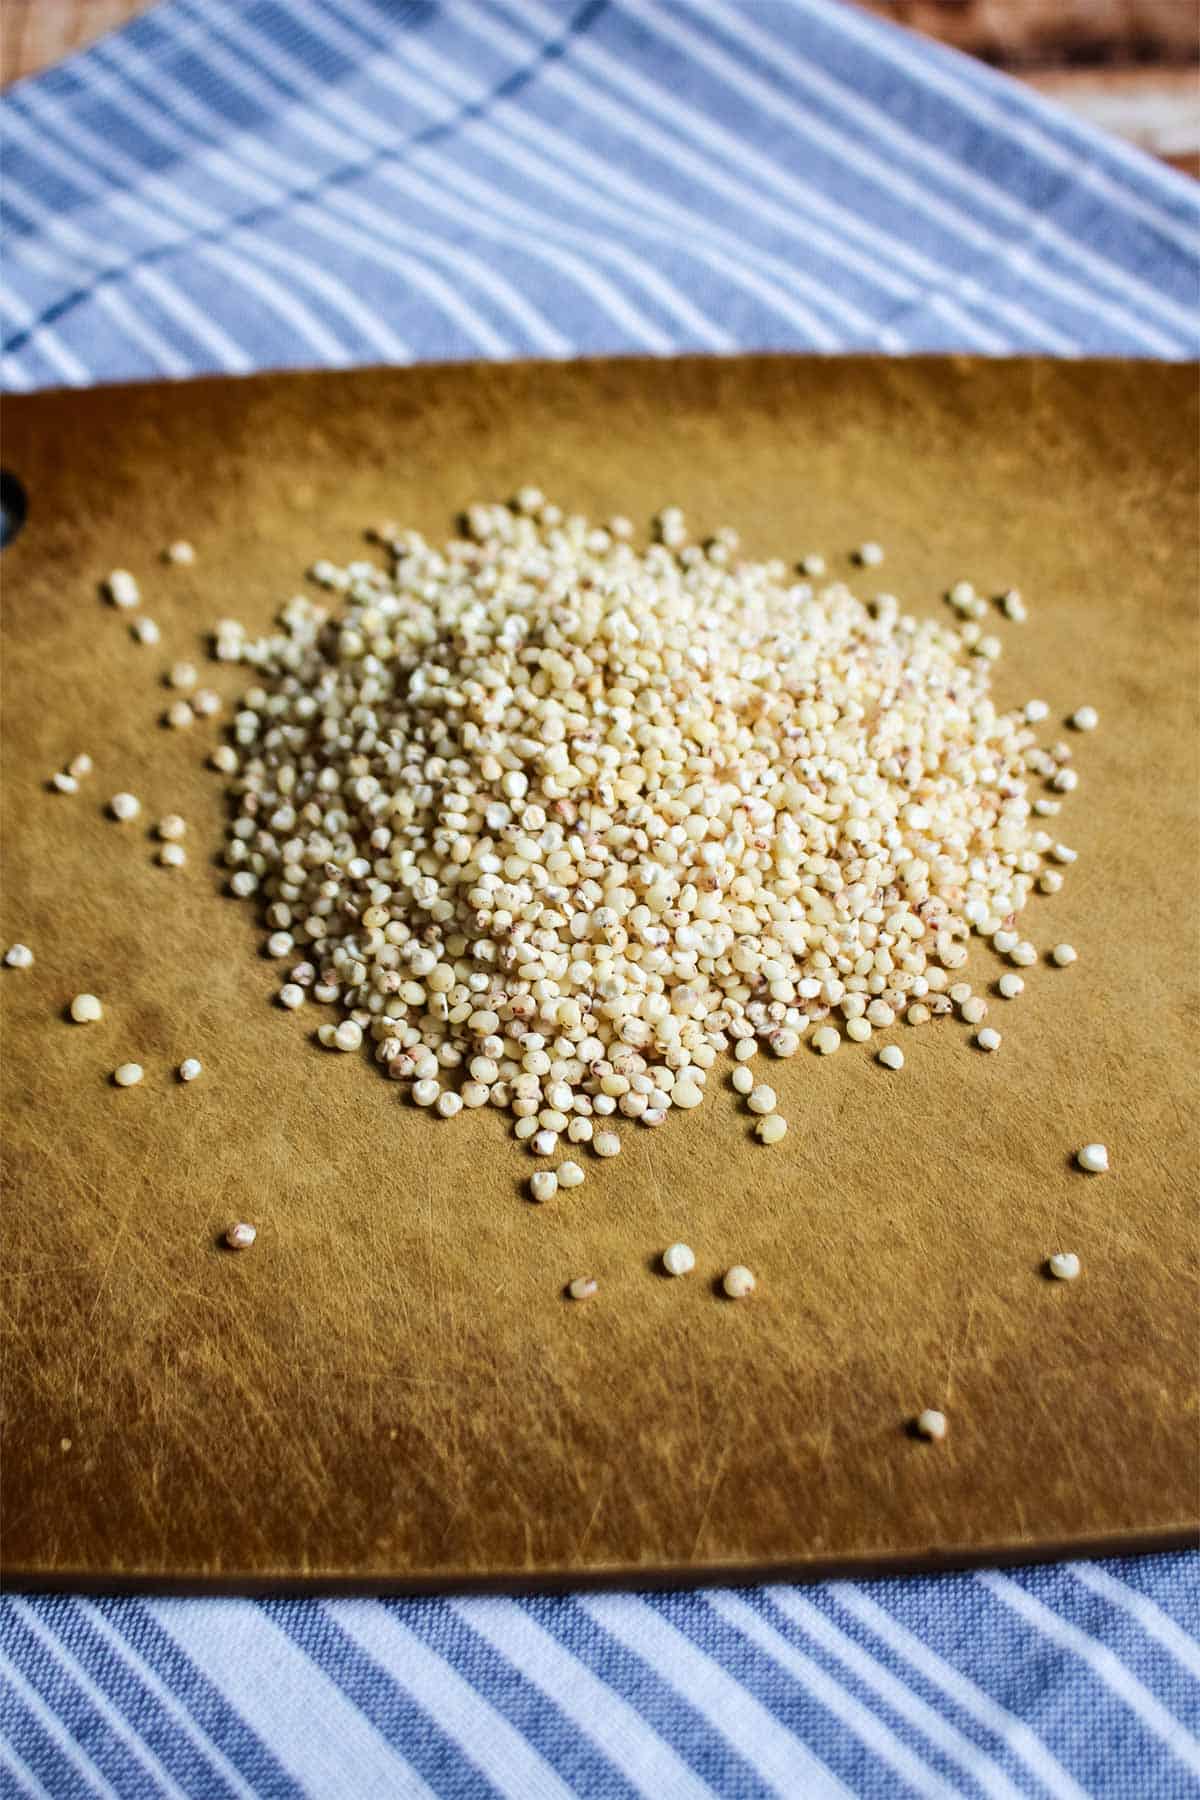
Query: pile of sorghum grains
x,y
553,820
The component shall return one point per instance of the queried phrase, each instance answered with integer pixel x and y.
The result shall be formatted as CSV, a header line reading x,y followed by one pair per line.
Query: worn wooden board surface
x,y
389,1389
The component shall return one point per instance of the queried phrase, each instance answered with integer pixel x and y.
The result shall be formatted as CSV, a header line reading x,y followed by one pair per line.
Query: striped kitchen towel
x,y
240,184
232,186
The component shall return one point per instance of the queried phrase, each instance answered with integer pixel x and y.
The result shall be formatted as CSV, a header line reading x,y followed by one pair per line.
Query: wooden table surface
x,y
1129,66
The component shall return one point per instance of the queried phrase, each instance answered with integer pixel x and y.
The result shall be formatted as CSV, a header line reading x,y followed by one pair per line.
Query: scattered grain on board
x,y
18,956
1064,1265
931,1424
1093,1159
86,1009
122,589
678,1259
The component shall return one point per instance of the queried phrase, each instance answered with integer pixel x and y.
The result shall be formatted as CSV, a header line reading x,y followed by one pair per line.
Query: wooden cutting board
x,y
389,1390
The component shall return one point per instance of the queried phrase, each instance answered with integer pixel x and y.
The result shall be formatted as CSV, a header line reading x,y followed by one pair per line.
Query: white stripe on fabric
x,y
1152,1619
717,176
1012,1731
693,233
812,330
136,1747
126,1653
472,323
263,287
1045,333
164,358
617,1730
229,355
536,236
359,119
880,273
54,1729
640,194
161,126
21,1777
13,375
204,218
831,1694
463,1713
226,169
1037,225
316,209
42,337
851,153
1112,1672
783,1760
544,334
375,331
886,252
944,307
549,175
940,1731
92,76
932,68
319,1736
299,118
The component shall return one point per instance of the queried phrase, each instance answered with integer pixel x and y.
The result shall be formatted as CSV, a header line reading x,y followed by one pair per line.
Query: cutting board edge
x,y
15,402
867,1567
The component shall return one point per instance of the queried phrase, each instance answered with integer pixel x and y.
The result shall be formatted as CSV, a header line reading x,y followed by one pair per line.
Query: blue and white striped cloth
x,y
239,184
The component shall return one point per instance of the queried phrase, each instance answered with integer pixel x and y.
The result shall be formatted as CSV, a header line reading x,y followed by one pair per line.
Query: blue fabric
x,y
229,187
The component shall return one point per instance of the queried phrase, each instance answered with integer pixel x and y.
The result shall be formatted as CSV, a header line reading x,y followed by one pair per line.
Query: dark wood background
x,y
1132,66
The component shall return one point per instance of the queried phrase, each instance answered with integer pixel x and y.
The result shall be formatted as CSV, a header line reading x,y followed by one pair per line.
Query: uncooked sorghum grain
x,y
555,820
